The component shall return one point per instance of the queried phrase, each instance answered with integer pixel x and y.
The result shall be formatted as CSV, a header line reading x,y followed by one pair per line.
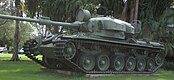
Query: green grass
x,y
8,56
28,71
31,71
5,56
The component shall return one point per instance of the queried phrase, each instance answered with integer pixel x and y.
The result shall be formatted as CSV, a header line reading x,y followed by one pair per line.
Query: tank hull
x,y
92,55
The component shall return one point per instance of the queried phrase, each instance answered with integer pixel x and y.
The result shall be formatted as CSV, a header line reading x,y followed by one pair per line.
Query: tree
x,y
25,31
148,11
15,56
5,27
7,34
57,10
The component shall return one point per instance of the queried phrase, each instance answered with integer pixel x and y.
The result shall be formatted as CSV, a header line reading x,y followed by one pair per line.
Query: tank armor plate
x,y
81,60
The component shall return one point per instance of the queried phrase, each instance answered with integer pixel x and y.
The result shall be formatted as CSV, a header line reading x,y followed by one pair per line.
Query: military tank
x,y
94,45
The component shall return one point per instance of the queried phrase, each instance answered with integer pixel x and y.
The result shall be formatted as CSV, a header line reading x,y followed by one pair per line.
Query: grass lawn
x,y
6,56
31,71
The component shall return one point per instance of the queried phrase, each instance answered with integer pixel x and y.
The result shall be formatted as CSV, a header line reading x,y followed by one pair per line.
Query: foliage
x,y
7,33
114,7
164,34
149,12
168,66
57,10
25,31
6,29
61,10
152,13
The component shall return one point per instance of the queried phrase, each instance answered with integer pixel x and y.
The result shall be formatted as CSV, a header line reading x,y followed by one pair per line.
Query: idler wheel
x,y
130,64
87,62
50,63
141,64
150,64
118,63
30,46
103,62
159,59
69,50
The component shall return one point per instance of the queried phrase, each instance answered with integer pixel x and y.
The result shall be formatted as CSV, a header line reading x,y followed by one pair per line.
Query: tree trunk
x,y
15,56
132,10
124,13
136,9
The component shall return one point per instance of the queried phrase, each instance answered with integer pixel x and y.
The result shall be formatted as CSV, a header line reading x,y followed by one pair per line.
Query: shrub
x,y
168,65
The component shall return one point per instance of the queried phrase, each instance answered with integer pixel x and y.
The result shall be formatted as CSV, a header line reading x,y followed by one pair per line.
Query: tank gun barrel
x,y
41,21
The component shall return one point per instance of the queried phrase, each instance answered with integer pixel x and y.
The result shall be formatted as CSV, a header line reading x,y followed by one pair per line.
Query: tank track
x,y
60,45
28,51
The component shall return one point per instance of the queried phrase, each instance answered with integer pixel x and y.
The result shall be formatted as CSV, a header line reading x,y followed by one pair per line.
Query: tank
x,y
94,45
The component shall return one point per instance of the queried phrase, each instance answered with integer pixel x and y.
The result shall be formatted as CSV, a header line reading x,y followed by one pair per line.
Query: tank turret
x,y
96,45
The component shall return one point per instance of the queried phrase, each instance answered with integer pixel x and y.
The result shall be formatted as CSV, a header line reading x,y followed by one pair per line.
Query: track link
x,y
28,52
